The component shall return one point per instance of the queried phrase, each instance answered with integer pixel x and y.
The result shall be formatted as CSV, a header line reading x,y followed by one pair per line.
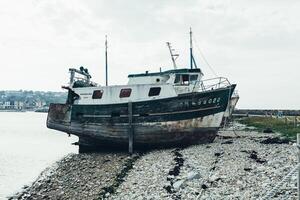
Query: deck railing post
x,y
298,155
130,128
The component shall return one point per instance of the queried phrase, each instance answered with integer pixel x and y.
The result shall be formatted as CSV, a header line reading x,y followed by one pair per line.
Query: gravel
x,y
237,165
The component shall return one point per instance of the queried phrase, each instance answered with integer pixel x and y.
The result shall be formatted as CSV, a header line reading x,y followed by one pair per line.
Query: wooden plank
x,y
130,128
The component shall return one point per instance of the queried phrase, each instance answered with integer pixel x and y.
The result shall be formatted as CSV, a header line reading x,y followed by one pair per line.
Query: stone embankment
x,y
237,165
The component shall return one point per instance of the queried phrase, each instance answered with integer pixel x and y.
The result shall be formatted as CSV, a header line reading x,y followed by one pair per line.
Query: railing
x,y
212,84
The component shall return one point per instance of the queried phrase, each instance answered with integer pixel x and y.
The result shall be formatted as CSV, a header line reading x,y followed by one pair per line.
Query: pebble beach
x,y
239,164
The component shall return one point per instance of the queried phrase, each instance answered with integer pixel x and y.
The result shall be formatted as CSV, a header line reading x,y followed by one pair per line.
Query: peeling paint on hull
x,y
191,131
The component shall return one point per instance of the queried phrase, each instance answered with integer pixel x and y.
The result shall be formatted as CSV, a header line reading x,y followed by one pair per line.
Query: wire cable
x,y
202,55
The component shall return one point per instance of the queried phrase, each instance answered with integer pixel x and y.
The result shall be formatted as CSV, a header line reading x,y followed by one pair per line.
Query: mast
x,y
191,49
173,56
192,59
106,73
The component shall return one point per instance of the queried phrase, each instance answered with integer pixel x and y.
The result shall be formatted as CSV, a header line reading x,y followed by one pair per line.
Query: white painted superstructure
x,y
111,94
140,87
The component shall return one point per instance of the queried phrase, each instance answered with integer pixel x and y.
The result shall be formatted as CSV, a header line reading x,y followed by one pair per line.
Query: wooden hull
x,y
192,131
188,119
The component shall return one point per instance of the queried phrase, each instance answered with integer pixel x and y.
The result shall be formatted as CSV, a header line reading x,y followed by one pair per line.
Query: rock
x,y
218,154
204,186
227,142
268,130
247,169
275,140
193,175
214,178
178,184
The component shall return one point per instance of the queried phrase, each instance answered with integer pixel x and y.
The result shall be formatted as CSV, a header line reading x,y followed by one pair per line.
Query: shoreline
x,y
237,165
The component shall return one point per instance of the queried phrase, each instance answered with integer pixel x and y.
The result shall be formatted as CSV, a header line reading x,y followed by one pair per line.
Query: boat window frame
x,y
177,80
152,93
125,92
97,97
185,79
195,76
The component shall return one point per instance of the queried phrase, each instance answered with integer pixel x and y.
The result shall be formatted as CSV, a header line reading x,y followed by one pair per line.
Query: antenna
x,y
173,56
106,73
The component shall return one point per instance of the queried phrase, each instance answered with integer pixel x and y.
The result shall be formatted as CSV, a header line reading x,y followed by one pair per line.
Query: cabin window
x,y
125,92
154,91
193,77
97,94
185,79
177,79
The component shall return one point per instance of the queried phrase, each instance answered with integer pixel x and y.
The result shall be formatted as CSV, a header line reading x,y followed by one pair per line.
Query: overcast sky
x,y
256,43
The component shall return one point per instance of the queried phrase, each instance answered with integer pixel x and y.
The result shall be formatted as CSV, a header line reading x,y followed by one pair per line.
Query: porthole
x,y
209,101
215,99
219,99
157,80
125,92
97,94
204,102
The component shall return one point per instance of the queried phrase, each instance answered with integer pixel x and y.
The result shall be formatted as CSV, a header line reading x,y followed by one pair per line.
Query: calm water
x,y
26,148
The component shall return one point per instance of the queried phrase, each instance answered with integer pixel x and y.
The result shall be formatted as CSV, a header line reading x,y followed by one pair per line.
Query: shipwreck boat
x,y
230,108
166,108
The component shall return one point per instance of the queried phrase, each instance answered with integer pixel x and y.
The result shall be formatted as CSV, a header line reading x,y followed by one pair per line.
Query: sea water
x,y
27,147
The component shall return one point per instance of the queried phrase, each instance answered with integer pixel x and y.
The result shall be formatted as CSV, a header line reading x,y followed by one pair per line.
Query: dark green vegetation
x,y
285,126
120,178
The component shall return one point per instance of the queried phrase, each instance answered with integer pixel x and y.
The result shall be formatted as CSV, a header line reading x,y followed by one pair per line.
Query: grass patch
x,y
276,124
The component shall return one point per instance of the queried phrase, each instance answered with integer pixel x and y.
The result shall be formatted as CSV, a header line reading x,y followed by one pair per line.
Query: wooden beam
x,y
130,128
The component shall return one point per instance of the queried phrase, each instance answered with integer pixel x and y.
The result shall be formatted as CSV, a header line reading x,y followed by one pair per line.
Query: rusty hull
x,y
156,134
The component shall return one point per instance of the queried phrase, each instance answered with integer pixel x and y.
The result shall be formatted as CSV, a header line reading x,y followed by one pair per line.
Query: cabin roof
x,y
175,71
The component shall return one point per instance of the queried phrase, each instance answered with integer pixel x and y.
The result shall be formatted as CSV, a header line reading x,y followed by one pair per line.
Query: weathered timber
x,y
130,128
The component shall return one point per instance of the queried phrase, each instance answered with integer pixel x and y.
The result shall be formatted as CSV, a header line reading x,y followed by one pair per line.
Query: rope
x,y
279,185
202,55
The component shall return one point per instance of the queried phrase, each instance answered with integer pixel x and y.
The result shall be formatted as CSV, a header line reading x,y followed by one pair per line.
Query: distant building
x,y
18,105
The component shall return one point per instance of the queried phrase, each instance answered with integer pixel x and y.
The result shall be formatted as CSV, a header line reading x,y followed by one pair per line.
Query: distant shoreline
x,y
284,112
13,110
44,110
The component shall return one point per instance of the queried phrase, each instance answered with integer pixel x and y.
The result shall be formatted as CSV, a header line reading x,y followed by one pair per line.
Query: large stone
x,y
193,175
178,184
214,178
